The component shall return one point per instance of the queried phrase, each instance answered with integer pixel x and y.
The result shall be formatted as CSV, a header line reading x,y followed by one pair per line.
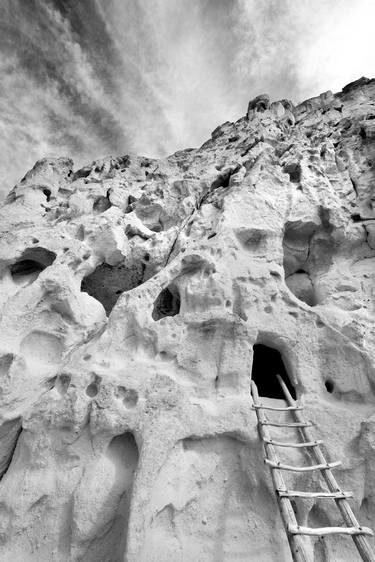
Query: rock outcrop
x,y
133,292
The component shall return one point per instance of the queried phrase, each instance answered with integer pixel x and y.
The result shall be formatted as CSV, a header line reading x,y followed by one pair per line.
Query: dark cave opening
x,y
107,282
32,262
102,204
26,267
267,363
167,303
294,171
47,193
329,384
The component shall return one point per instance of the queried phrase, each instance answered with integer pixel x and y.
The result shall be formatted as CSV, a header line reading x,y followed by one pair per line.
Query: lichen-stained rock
x,y
133,292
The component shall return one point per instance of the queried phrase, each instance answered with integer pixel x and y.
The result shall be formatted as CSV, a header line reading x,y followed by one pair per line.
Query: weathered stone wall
x,y
132,294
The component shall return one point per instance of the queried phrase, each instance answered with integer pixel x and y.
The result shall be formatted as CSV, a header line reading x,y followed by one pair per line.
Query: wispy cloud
x,y
96,77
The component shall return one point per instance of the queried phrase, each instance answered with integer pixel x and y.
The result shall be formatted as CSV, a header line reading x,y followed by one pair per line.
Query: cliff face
x,y
132,294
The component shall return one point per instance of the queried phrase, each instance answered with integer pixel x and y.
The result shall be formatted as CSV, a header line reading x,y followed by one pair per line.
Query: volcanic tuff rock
x,y
132,293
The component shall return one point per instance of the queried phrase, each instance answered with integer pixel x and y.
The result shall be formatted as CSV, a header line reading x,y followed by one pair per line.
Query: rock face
x,y
139,297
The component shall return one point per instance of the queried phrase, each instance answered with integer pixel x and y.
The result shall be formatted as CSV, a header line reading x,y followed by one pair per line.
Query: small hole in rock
x,y
26,267
31,263
365,503
294,172
167,303
92,390
62,383
101,204
47,193
129,396
222,180
329,384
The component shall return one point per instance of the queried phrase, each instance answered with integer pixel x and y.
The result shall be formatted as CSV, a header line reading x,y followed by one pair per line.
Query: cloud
x,y
96,77
302,48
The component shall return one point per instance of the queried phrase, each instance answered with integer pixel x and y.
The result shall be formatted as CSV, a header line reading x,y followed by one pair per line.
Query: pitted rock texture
x,y
133,292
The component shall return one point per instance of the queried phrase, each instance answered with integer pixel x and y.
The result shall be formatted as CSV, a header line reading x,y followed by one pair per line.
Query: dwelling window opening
x,y
267,363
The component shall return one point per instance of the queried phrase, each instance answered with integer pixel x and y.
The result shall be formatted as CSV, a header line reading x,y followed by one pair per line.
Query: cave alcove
x,y
167,303
267,363
32,262
107,282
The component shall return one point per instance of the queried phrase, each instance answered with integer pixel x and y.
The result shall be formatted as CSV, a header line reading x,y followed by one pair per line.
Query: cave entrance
x,y
167,304
32,262
107,282
267,363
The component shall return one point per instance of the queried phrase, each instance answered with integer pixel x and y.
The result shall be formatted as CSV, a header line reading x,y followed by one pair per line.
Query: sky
x,y
89,78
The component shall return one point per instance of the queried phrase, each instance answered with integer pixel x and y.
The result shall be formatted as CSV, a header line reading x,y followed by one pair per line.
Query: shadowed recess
x,y
107,282
267,363
167,304
32,262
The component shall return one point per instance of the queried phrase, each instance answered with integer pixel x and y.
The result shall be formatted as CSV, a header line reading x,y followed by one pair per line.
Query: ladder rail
x,y
296,542
360,540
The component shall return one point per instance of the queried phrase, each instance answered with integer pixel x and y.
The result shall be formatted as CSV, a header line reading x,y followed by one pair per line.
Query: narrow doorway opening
x,y
267,363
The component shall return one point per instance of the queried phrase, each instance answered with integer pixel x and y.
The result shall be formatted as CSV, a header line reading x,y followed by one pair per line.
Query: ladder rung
x,y
286,424
297,494
296,530
286,444
276,409
282,466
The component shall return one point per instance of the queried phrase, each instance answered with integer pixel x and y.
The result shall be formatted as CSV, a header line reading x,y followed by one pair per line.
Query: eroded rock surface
x,y
133,292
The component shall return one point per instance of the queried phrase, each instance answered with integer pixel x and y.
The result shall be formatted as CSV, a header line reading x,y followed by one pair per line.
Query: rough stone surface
x,y
132,294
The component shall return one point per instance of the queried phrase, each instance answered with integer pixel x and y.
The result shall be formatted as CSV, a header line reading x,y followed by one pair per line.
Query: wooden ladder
x,y
294,531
